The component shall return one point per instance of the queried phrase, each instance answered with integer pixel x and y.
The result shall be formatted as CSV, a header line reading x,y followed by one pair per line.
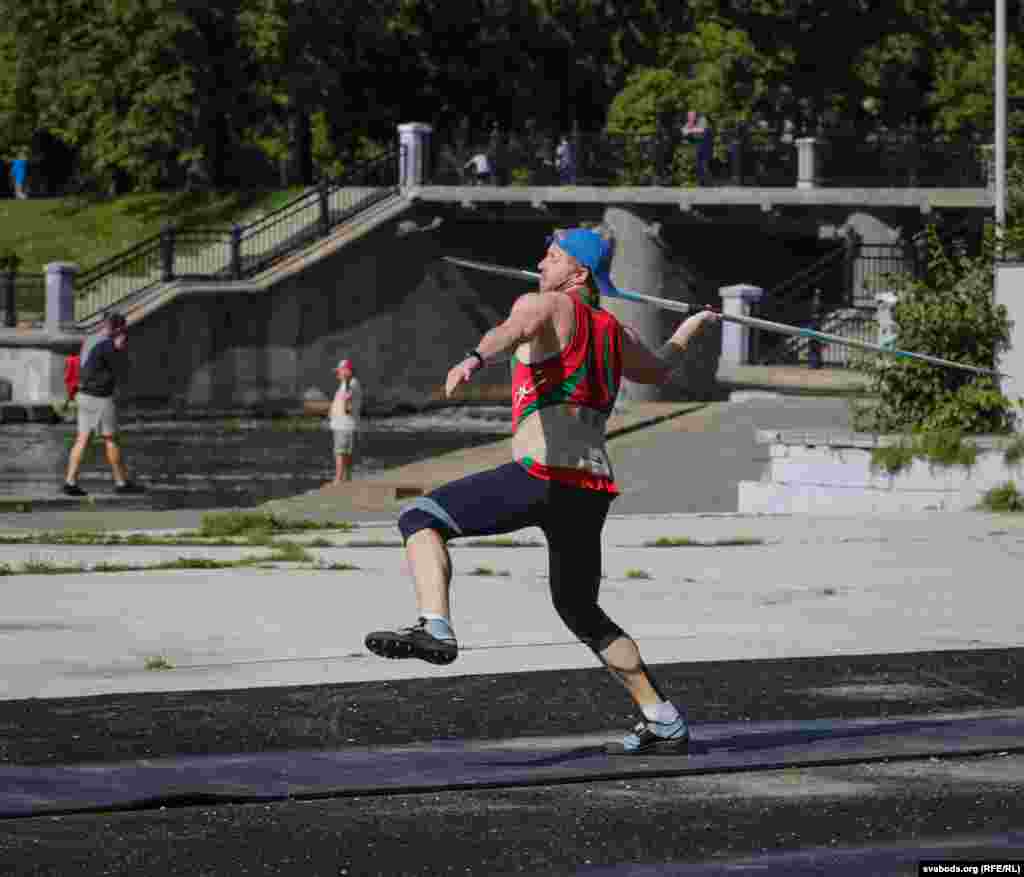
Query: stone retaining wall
x,y
831,473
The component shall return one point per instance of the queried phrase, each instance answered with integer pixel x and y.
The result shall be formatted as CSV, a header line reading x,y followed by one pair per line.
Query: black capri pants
x,y
508,498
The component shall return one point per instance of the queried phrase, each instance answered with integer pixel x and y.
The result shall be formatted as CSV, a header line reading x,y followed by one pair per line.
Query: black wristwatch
x,y
478,355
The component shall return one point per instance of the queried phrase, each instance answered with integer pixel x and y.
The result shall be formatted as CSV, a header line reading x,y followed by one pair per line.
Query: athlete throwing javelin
x,y
570,357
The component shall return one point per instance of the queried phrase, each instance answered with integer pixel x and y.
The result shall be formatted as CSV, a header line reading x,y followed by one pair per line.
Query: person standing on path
x,y
96,409
570,357
345,411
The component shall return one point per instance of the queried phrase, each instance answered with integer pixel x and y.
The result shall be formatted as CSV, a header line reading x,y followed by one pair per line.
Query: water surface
x,y
235,462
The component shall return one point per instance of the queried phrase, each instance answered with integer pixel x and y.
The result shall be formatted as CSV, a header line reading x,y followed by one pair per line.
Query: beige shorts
x,y
344,441
96,414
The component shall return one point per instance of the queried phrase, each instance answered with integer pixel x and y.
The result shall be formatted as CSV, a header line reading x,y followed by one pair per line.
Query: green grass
x,y
89,230
942,448
45,567
1014,452
48,568
244,524
686,542
502,542
374,543
158,662
1005,498
291,552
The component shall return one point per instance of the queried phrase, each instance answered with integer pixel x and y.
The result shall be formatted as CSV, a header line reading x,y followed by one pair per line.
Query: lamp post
x,y
1000,87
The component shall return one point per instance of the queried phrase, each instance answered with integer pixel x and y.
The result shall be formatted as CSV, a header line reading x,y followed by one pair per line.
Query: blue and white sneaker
x,y
413,642
650,736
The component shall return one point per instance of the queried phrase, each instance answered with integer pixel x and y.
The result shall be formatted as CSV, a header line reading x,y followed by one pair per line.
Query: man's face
x,y
345,374
558,268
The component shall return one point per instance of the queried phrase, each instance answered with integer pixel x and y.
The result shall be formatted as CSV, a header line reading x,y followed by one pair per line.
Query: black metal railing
x,y
803,300
882,268
856,324
21,291
737,155
239,251
908,158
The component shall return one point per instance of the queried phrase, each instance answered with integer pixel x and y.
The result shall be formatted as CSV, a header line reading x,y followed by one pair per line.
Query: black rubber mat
x,y
448,765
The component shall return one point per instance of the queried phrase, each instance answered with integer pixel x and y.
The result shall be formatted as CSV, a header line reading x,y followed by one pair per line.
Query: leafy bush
x,y
950,312
1005,498
944,447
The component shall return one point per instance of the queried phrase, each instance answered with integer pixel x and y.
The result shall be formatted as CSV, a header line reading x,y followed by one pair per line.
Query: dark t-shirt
x,y
99,366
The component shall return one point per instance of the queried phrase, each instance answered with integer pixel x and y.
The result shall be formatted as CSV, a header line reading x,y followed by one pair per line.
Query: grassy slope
x,y
88,231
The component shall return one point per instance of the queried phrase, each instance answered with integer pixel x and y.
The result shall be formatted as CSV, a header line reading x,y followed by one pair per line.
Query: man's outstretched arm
x,y
531,315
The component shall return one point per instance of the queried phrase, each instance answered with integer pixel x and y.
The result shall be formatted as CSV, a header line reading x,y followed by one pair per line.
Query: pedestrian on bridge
x,y
19,175
569,359
479,167
98,371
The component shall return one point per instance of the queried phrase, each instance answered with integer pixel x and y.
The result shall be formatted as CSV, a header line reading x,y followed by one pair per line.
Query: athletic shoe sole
x,y
649,742
389,644
672,746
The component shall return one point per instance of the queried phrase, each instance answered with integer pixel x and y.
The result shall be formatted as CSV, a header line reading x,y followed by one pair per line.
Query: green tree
x,y
138,87
962,98
322,70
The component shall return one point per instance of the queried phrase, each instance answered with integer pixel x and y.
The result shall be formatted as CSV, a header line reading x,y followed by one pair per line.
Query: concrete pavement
x,y
815,654
805,586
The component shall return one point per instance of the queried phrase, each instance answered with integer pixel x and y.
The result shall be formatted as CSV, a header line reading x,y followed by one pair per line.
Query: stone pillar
x,y
886,326
736,301
413,153
1010,293
638,264
60,296
806,163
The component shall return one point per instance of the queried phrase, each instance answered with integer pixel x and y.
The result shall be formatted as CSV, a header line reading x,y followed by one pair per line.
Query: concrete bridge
x,y
378,290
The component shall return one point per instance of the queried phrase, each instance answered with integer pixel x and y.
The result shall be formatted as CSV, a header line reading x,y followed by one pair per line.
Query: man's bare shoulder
x,y
541,300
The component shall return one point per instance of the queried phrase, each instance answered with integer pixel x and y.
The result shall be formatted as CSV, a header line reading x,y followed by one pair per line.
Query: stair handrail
x,y
151,246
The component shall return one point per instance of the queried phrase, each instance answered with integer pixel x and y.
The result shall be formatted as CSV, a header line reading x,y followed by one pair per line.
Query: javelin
x,y
766,325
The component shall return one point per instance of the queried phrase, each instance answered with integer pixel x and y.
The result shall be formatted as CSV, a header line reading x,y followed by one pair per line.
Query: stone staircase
x,y
152,292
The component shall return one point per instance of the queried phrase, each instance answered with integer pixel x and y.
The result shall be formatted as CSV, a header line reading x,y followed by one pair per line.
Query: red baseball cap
x,y
345,363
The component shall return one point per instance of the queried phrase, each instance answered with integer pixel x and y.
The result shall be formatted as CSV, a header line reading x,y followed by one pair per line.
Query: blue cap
x,y
590,250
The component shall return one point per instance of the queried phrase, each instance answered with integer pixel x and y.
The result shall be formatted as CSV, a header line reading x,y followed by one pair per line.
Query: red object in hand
x,y
72,370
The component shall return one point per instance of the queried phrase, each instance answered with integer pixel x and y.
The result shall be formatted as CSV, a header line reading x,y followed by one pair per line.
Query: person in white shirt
x,y
345,412
480,166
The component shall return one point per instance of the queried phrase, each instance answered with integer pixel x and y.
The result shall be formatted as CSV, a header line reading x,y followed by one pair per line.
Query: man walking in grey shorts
x,y
96,410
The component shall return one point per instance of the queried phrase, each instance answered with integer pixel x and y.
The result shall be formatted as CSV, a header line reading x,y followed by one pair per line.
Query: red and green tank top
x,y
561,405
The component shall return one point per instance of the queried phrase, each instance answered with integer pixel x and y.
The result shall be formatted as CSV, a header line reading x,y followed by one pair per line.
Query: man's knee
x,y
589,624
425,513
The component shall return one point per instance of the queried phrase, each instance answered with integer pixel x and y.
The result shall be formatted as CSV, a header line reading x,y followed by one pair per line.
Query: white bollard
x,y
736,301
60,296
413,153
806,163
